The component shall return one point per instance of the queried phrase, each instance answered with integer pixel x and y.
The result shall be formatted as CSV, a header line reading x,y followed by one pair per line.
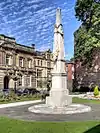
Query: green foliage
x,y
44,83
85,9
96,91
87,36
72,59
82,101
12,97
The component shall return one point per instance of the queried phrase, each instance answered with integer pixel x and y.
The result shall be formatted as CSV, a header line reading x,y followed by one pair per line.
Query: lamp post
x,y
15,81
49,82
15,75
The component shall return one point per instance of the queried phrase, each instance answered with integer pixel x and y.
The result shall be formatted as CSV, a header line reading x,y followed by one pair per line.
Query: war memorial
x,y
59,101
62,111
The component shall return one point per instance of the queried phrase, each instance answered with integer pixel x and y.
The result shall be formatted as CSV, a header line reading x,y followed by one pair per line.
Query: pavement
x,y
19,103
21,112
29,102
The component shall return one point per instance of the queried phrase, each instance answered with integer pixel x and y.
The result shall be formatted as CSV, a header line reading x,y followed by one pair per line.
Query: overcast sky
x,y
32,22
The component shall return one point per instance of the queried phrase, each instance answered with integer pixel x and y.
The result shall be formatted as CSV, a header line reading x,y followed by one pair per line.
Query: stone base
x,y
70,109
58,101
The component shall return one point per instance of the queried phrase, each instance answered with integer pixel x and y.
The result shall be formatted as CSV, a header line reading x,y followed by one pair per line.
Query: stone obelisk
x,y
59,101
59,93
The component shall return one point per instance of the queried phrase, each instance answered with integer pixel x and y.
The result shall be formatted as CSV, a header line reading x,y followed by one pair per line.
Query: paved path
x,y
19,103
21,112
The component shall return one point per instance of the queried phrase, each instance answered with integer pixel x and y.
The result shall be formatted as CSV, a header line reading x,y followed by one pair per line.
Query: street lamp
x,y
15,78
49,82
15,75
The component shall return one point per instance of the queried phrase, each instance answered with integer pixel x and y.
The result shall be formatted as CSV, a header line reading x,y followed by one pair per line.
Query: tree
x,y
87,36
86,9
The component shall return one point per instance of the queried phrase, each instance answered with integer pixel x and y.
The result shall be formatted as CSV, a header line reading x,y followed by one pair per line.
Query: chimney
x,y
33,46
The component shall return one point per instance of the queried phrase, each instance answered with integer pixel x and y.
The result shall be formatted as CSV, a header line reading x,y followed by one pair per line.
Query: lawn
x,y
17,126
82,101
29,98
19,99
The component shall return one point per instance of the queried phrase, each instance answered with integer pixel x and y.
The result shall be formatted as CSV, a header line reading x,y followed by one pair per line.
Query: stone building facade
x,y
22,66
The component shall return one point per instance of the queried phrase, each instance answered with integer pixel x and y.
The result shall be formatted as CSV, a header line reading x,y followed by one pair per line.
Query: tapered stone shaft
x,y
58,16
59,93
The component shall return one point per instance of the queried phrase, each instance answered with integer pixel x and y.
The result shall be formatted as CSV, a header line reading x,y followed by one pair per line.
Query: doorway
x,y
6,83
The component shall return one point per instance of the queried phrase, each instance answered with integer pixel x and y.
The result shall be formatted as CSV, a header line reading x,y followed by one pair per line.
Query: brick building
x,y
70,74
87,75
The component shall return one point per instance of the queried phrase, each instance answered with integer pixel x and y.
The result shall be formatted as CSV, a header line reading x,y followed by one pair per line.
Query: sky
x,y
32,22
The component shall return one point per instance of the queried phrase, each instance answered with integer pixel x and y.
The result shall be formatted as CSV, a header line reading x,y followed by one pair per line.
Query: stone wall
x,y
86,75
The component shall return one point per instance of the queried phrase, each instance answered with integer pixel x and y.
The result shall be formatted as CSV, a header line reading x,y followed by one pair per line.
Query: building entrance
x,y
6,82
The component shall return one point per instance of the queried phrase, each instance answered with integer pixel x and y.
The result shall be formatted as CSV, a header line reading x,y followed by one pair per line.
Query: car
x,y
27,91
33,91
19,92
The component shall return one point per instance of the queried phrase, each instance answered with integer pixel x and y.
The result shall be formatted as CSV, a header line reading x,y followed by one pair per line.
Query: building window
x,y
29,63
28,80
73,68
8,60
34,63
39,84
48,64
44,63
48,56
38,62
20,81
33,81
41,62
21,61
48,73
39,73
0,58
72,75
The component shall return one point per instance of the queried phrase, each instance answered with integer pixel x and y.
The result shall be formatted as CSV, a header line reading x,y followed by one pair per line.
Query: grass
x,y
19,99
80,100
29,98
18,126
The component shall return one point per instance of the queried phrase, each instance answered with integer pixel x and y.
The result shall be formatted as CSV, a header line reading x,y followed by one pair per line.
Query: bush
x,y
96,91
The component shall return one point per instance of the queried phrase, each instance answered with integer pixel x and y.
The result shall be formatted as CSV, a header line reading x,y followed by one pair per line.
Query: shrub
x,y
96,91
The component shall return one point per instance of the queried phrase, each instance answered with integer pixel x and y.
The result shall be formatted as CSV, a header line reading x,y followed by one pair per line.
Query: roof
x,y
69,62
2,35
10,42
